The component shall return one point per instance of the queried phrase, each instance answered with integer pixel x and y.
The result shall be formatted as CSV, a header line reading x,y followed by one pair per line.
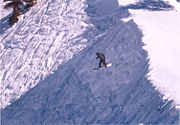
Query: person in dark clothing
x,y
102,59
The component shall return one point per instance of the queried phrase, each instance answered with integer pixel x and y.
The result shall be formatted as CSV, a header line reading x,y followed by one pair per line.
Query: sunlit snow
x,y
127,2
162,38
161,31
43,38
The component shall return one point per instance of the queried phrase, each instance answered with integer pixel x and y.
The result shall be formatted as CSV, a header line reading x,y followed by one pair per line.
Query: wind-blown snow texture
x,y
75,94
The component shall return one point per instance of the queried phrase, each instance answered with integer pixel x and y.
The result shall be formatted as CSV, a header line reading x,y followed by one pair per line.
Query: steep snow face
x,y
161,35
46,36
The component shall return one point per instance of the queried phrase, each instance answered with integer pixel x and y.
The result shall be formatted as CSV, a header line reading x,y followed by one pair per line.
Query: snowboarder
x,y
102,59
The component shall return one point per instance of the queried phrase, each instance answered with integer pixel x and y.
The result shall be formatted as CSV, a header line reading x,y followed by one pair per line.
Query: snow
x,y
44,37
50,54
161,36
161,31
175,4
127,2
171,2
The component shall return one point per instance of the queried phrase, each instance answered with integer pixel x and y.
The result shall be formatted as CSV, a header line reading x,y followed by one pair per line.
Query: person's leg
x,y
104,63
100,63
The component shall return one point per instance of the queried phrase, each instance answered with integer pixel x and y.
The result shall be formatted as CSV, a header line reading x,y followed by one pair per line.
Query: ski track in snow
x,y
44,37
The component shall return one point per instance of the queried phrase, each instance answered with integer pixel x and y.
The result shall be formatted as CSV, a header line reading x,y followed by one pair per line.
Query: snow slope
x,y
76,94
161,31
46,36
161,36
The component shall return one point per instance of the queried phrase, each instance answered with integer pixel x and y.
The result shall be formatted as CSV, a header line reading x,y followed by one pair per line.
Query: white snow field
x,y
161,31
46,36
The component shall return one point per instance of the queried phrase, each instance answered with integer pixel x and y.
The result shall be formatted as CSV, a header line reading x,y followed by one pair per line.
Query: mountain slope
x,y
46,36
75,94
161,39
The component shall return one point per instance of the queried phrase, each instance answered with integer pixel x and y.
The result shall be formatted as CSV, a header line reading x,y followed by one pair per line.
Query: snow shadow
x,y
150,5
4,24
76,94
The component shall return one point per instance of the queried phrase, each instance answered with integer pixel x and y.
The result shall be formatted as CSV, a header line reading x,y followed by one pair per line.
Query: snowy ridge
x,y
161,31
164,66
46,36
120,94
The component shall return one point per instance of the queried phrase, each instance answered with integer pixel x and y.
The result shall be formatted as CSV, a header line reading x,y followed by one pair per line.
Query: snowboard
x,y
108,65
